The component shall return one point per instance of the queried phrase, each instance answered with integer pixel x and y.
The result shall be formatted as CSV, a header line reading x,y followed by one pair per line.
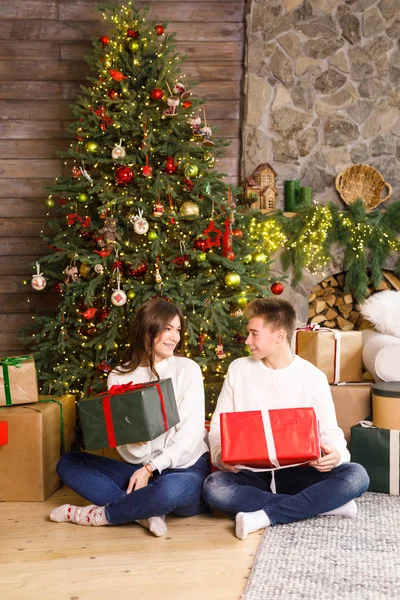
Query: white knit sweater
x,y
182,445
250,385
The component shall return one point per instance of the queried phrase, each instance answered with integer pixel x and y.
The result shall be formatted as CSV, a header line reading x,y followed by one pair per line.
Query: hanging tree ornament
x,y
38,281
158,209
219,350
157,276
157,94
206,132
189,209
76,172
170,166
180,90
232,279
138,272
147,170
195,122
98,268
118,297
140,225
159,29
118,151
190,170
277,288
124,175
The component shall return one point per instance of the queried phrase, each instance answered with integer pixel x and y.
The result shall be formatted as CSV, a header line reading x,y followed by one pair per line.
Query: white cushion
x,y
383,311
381,355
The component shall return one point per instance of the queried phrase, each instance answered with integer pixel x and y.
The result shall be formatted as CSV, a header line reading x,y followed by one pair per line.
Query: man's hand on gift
x,y
328,460
224,466
138,480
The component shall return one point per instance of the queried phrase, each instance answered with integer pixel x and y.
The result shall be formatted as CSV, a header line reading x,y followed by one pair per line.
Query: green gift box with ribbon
x,y
37,435
18,380
378,451
127,414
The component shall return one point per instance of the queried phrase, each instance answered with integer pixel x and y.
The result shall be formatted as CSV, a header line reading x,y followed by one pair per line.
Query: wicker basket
x,y
365,182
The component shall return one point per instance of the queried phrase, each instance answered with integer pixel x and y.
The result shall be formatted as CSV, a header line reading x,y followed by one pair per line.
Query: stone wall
x,y
322,90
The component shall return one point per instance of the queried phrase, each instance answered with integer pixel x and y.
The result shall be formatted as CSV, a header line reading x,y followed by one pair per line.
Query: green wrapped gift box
x,y
378,451
127,414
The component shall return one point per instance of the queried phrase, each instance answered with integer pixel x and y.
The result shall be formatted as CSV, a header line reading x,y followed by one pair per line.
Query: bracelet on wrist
x,y
149,470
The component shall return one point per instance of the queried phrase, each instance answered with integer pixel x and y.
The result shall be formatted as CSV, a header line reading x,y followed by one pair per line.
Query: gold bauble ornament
x,y
259,257
131,294
84,270
189,209
232,279
242,301
191,170
134,46
247,259
209,159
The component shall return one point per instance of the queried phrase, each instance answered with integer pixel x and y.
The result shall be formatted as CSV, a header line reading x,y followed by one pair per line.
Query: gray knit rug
x,y
332,558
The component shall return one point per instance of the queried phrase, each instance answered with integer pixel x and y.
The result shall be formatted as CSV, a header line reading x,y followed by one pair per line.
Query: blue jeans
x,y
103,481
301,492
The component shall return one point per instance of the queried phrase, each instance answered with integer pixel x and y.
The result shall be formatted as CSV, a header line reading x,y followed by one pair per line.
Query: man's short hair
x,y
276,312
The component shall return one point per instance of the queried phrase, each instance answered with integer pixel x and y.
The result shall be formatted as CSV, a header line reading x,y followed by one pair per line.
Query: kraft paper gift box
x,y
377,450
68,407
18,380
127,414
352,404
28,462
337,353
386,404
270,438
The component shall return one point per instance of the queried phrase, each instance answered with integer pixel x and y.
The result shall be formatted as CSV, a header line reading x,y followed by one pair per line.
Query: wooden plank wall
x,y
42,44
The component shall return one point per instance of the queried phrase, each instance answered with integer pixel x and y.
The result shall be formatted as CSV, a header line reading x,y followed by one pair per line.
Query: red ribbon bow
x,y
121,389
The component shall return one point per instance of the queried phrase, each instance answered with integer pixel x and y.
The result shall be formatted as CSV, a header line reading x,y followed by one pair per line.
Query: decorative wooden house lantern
x,y
260,191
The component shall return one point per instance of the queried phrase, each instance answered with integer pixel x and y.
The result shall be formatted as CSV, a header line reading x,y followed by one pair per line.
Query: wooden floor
x,y
39,560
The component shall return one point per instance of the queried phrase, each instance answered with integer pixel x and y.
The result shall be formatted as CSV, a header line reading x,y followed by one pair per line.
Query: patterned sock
x,y
157,525
249,522
81,515
347,510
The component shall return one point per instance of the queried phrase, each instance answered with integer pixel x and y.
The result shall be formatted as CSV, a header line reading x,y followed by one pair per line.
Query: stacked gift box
x,y
376,444
339,355
34,430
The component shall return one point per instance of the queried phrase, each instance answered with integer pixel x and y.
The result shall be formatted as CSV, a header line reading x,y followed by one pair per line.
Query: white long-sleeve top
x,y
250,385
183,444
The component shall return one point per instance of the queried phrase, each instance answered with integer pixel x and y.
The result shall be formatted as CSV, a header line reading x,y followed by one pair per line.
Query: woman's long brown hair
x,y
150,320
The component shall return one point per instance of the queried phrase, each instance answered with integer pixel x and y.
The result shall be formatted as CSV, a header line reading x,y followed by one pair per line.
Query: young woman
x,y
157,477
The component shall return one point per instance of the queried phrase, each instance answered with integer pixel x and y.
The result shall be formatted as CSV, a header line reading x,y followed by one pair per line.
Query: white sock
x,y
157,525
249,522
91,515
347,510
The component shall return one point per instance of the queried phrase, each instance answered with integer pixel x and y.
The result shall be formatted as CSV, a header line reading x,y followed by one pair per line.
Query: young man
x,y
275,378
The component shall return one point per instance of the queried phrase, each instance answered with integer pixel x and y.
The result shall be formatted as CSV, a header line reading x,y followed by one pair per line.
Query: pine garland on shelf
x,y
368,240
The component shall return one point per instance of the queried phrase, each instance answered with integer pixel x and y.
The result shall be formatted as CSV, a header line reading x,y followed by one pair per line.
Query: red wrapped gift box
x,y
3,433
269,439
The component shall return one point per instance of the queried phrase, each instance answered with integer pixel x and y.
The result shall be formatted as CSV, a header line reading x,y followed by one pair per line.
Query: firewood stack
x,y
329,306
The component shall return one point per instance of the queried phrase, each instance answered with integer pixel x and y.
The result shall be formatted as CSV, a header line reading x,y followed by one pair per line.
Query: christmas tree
x,y
144,213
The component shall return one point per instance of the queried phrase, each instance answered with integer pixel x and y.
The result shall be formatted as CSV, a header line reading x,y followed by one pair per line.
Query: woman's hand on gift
x,y
138,480
328,460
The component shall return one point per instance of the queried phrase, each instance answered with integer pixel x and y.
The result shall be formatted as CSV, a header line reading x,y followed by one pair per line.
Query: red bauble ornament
x,y
186,104
237,233
230,256
159,29
104,40
124,175
157,94
131,33
277,288
170,166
